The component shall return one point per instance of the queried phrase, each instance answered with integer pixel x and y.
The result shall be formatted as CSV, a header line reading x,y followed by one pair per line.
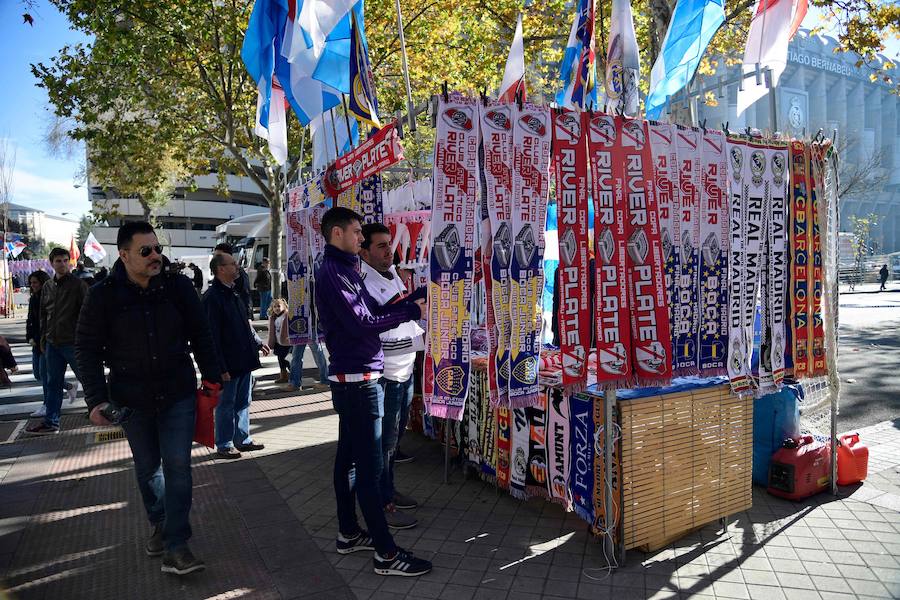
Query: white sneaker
x,y
73,393
40,412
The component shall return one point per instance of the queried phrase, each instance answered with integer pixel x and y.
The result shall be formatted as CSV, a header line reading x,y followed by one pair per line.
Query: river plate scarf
x,y
687,318
537,477
504,446
773,272
558,446
446,376
497,139
300,325
570,173
645,278
521,438
531,175
713,256
665,166
581,452
799,246
613,325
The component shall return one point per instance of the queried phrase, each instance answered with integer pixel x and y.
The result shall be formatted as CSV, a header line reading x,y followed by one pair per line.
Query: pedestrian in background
x,y
242,285
279,340
883,275
33,331
237,347
263,285
142,322
61,300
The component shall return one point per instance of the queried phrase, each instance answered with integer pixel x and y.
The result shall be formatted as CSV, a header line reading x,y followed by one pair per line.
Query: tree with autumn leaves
x,y
160,93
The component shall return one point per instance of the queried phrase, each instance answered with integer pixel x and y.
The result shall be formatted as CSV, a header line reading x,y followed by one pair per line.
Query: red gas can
x,y
801,468
853,460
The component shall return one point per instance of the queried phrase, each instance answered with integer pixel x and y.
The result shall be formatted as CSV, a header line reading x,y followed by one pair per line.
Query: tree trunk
x,y
276,236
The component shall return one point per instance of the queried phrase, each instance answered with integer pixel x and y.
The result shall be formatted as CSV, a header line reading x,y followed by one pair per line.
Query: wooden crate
x,y
686,461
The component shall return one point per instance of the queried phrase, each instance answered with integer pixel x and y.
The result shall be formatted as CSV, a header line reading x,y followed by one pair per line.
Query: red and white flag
x,y
767,46
93,249
514,74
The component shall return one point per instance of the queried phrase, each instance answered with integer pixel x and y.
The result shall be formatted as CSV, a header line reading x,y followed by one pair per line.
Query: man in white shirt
x,y
399,345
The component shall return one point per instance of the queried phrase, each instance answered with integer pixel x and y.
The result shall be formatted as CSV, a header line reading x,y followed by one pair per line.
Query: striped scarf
x,y
558,446
713,256
687,318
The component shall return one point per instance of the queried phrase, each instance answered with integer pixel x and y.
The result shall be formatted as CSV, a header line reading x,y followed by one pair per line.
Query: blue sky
x,y
39,181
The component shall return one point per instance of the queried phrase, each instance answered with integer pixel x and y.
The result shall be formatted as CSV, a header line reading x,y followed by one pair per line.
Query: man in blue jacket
x,y
352,321
237,347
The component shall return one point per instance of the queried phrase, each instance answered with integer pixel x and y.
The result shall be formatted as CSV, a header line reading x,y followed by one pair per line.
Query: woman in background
x,y
278,336
33,329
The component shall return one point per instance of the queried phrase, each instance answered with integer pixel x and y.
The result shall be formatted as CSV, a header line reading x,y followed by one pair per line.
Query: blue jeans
x,y
397,397
297,363
37,364
160,443
233,412
360,407
55,360
265,299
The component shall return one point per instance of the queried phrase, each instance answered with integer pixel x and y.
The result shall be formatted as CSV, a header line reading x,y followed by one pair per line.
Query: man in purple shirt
x,y
352,321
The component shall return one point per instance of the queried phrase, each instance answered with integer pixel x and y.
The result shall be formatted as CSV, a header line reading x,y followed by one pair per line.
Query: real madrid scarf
x,y
773,294
800,243
613,333
521,438
738,364
537,476
531,174
558,446
581,453
651,354
446,376
570,173
300,324
714,244
497,139
665,167
687,317
504,445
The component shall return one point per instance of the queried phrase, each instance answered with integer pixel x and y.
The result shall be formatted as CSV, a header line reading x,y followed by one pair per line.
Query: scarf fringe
x,y
444,411
527,401
490,478
575,388
652,383
518,494
533,491
584,514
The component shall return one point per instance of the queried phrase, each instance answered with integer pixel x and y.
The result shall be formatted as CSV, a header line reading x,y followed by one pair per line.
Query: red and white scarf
x,y
613,334
570,173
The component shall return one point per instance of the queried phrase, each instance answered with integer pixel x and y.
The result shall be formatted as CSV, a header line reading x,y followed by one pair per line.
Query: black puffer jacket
x,y
33,323
145,337
237,345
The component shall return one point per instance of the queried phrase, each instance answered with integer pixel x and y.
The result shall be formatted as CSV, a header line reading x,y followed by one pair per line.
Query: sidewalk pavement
x,y
72,526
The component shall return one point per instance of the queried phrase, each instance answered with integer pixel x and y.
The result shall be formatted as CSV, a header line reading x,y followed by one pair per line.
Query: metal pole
x,y
447,450
347,120
773,108
334,134
409,102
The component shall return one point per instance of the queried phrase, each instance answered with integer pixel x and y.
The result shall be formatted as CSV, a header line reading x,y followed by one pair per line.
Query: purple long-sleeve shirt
x,y
350,318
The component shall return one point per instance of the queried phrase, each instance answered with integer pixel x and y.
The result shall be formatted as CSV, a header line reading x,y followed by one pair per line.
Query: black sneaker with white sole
x,y
362,541
181,561
403,563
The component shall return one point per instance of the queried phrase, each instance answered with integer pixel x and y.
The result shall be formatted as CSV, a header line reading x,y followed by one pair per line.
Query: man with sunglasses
x,y
143,322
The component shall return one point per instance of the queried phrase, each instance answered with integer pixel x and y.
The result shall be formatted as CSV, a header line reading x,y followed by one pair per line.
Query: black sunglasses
x,y
145,251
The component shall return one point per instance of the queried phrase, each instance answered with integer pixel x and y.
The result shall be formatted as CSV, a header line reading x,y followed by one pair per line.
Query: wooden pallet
x,y
686,461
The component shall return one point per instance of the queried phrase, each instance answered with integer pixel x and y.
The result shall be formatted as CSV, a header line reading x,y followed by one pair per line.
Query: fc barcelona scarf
x,y
570,172
558,429
521,439
581,452
298,274
773,292
497,139
651,354
446,376
713,256
537,476
687,318
665,166
531,175
504,445
613,325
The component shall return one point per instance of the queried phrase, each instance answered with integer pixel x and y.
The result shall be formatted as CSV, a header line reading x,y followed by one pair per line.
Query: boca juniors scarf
x,y
665,166
370,199
570,173
521,438
531,174
713,256
558,446
300,325
687,319
446,376
581,452
647,302
613,326
497,139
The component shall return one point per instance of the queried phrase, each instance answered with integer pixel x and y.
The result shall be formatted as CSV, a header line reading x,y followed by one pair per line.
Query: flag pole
x,y
334,133
409,100
347,120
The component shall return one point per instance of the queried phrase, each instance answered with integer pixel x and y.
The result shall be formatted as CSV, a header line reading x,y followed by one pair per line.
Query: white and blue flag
x,y
577,71
693,25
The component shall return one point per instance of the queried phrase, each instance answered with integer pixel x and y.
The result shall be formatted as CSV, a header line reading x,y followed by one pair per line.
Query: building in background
x,y
188,222
34,224
823,90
